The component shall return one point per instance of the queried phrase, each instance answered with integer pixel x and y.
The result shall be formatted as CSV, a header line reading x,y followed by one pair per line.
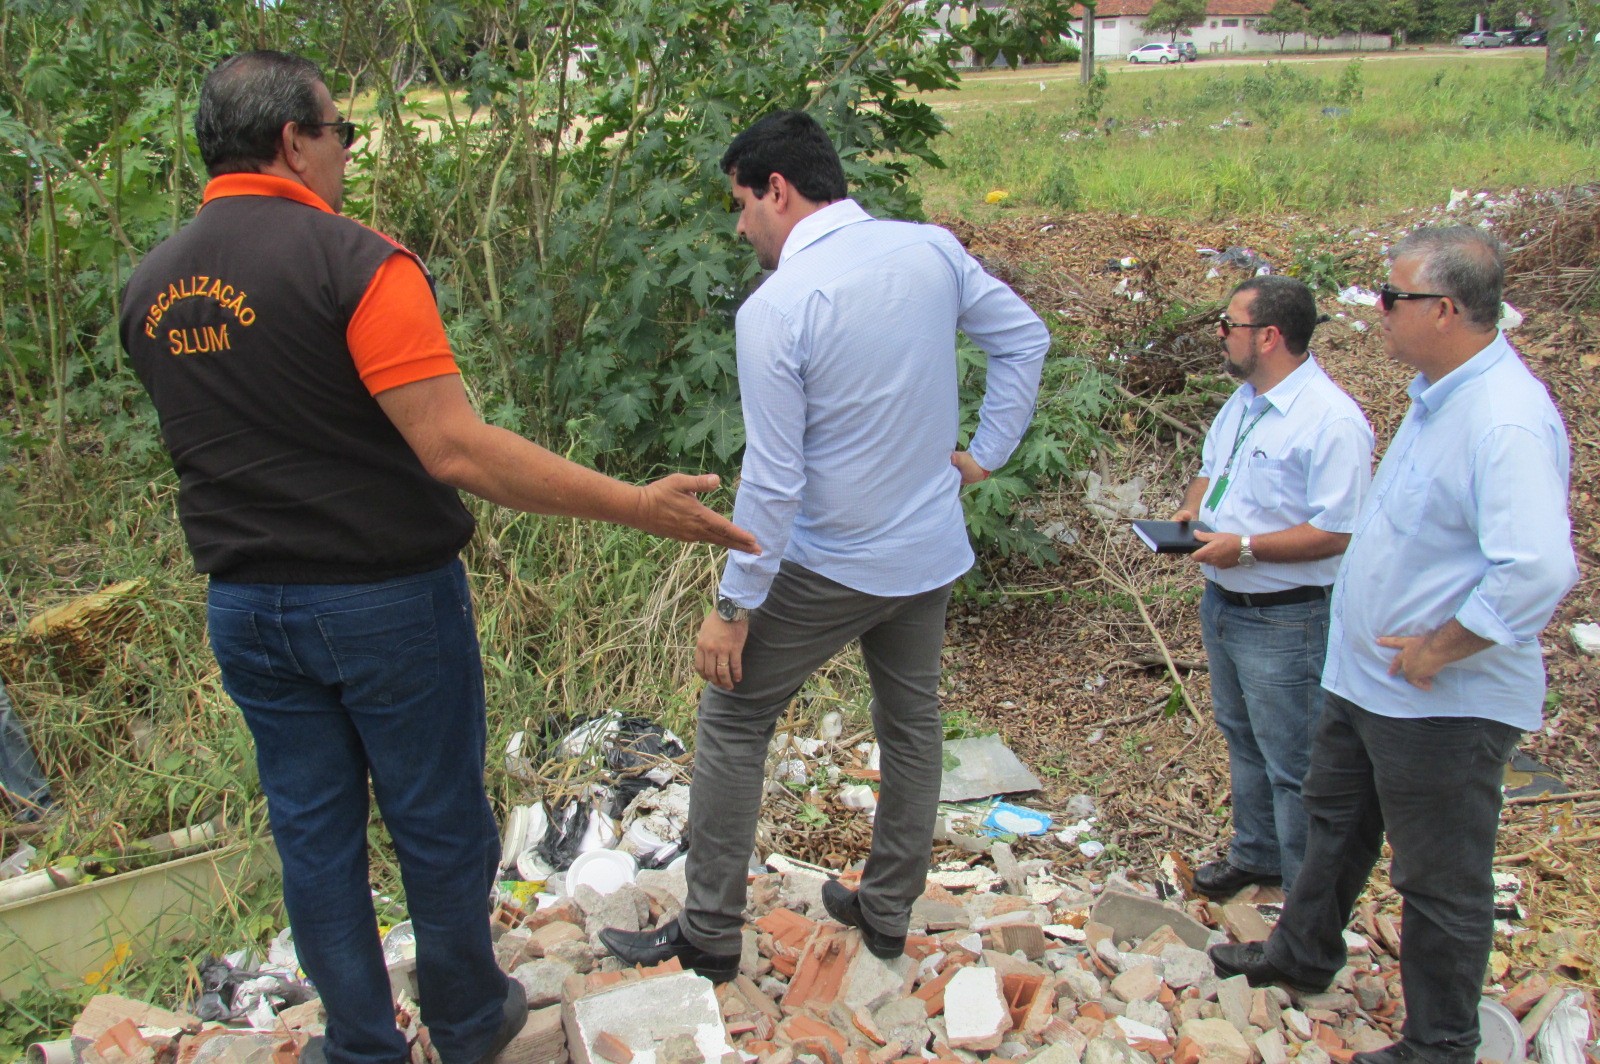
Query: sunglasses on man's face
x,y
1388,296
1227,324
344,130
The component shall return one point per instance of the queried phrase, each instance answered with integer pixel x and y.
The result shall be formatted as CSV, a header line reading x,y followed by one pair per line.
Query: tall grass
x,y
1326,138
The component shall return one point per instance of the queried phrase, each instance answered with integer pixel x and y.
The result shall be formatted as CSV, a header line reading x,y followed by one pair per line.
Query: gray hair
x,y
244,105
1462,262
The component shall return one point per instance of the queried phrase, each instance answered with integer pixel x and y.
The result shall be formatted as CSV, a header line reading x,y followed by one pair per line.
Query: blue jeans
x,y
1433,785
346,684
20,774
1266,693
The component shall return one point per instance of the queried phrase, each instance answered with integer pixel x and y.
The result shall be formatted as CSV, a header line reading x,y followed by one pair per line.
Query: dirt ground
x,y
1068,670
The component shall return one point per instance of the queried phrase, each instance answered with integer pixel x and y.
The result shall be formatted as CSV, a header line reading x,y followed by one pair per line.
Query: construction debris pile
x,y
1005,962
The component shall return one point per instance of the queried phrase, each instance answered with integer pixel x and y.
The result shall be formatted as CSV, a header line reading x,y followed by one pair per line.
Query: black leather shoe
x,y
1249,959
666,942
1219,879
1409,1052
512,1019
844,905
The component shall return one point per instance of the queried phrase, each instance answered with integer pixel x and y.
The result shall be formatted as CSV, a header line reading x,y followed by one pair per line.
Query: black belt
x,y
1260,599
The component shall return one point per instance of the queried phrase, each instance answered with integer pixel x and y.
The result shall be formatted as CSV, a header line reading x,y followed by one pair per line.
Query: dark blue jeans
x,y
1432,785
346,684
20,775
1266,693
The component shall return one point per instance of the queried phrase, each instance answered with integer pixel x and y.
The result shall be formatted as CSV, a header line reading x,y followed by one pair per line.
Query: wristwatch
x,y
1247,557
729,612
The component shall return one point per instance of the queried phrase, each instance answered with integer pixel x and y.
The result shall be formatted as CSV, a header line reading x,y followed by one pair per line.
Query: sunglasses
x,y
1227,324
344,130
1388,296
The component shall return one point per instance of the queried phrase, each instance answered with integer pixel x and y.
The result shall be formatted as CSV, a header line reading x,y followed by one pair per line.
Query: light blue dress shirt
x,y
1467,518
847,369
1308,459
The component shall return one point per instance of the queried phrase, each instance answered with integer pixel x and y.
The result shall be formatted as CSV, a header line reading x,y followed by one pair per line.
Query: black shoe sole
x,y
1256,979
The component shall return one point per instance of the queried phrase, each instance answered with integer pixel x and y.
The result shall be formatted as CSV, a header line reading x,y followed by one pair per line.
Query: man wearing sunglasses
x,y
1283,470
1459,557
320,432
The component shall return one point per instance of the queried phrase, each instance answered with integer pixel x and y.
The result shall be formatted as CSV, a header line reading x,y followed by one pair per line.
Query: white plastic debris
x,y
858,796
1091,848
831,726
1510,317
1356,296
17,863
1458,196
516,763
1565,1032
1586,637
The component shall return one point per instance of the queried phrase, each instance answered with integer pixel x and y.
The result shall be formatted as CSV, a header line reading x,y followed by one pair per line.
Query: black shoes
x,y
512,1020
1249,959
665,943
844,905
1408,1052
1219,879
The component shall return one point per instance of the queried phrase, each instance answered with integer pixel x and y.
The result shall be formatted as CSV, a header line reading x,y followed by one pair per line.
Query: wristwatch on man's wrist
x,y
1247,557
729,612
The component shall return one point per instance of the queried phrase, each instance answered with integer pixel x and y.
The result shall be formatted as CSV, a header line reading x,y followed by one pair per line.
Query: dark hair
x,y
244,104
1462,262
790,143
1286,303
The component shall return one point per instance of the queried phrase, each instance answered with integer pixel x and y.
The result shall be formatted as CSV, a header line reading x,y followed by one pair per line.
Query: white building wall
x,y
1120,35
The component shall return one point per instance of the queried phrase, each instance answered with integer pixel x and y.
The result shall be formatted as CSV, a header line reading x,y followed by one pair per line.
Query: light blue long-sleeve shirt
x,y
1467,519
848,376
1304,455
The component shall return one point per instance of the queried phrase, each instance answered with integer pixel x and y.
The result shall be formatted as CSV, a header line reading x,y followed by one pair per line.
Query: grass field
x,y
1325,137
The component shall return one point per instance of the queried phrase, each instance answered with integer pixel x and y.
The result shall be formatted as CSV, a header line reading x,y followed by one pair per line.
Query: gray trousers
x,y
805,620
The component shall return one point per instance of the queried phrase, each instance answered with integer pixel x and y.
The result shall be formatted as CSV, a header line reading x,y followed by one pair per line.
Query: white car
x,y
1156,53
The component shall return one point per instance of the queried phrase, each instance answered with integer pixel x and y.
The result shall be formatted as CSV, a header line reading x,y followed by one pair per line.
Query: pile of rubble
x,y
1003,963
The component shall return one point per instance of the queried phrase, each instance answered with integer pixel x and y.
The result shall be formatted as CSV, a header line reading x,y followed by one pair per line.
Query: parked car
x,y
1156,53
1512,37
1533,39
1484,39
1190,52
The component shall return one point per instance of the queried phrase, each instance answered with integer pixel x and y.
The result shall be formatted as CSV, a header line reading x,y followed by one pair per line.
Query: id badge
x,y
1218,489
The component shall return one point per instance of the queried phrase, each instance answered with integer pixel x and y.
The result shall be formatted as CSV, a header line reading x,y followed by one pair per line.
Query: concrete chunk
x,y
975,1012
1219,1041
649,1012
1132,918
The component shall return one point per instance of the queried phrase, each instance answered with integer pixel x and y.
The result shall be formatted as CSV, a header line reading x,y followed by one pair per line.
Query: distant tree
x,y
1174,17
1286,17
1325,18
1364,16
1403,21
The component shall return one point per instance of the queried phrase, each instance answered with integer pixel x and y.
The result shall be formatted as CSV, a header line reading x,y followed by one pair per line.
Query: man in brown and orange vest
x,y
320,431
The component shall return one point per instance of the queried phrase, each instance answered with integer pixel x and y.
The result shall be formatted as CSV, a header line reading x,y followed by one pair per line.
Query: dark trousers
x,y
805,620
346,684
1434,786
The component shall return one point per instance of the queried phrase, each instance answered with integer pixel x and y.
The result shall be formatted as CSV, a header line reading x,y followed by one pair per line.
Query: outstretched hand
x,y
670,507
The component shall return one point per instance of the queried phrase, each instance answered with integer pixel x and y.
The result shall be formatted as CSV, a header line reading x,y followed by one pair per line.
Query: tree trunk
x,y
1086,57
1555,69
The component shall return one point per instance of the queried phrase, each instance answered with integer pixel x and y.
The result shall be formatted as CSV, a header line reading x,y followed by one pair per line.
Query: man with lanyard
x,y
847,366
1282,474
1460,556
320,430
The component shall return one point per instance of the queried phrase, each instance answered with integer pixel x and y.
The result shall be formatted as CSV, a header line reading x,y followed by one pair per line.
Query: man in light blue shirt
x,y
1459,558
847,368
1282,473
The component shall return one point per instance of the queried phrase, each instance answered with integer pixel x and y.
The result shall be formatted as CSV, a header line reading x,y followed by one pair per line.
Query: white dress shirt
x,y
1467,519
1307,459
848,376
